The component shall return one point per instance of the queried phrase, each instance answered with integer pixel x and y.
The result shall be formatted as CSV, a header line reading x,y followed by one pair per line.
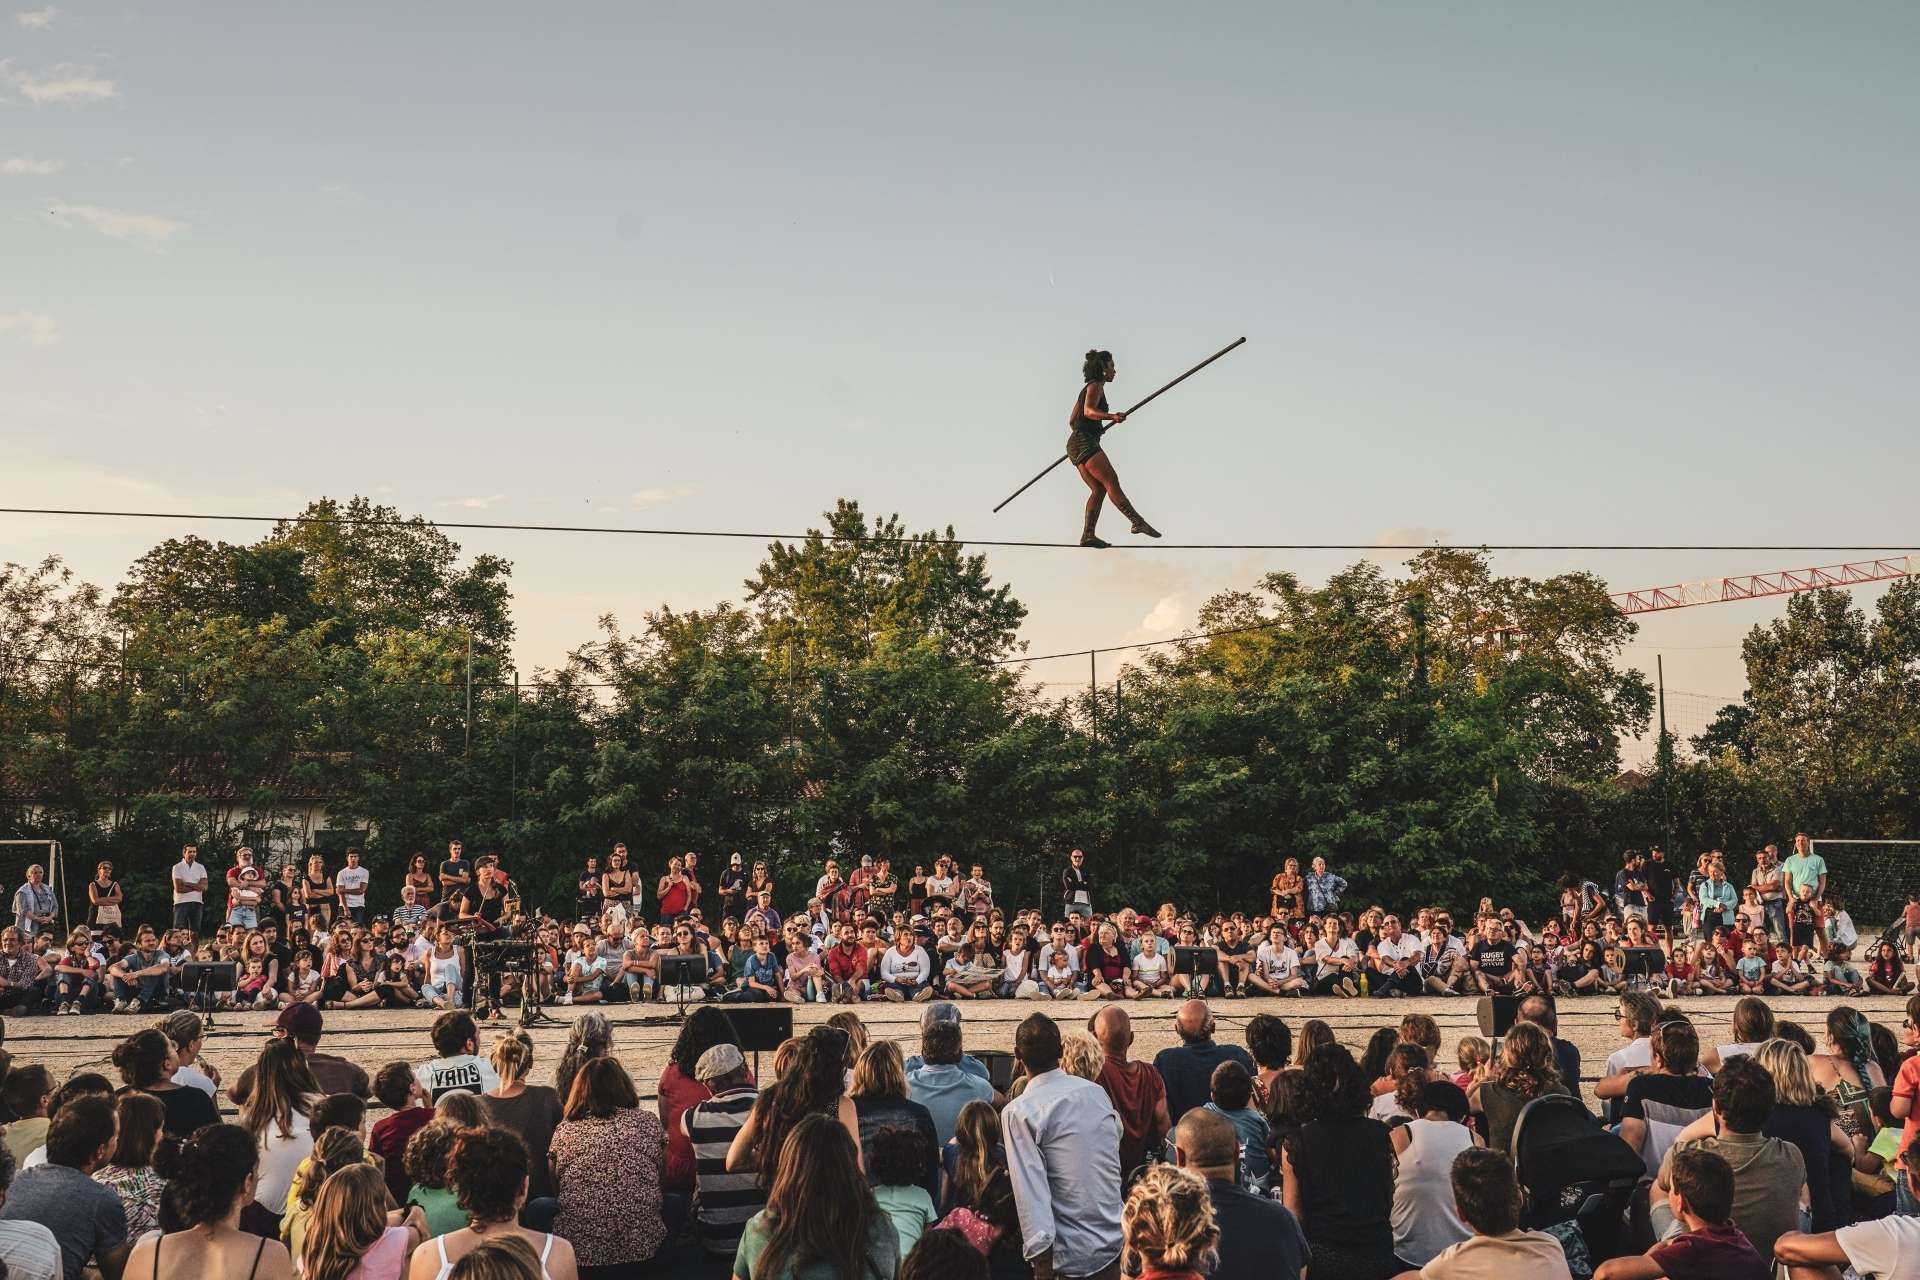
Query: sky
x,y
1508,273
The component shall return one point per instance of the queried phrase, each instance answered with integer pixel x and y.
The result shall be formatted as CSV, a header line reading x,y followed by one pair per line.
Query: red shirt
x,y
389,1141
1138,1093
677,1094
1906,1084
846,964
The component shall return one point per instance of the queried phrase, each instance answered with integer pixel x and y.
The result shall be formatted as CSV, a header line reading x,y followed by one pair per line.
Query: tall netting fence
x,y
1873,877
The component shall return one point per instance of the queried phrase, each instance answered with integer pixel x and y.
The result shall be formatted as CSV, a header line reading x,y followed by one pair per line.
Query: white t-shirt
x,y
199,1079
452,1075
1277,964
911,968
194,873
1342,950
352,883
1887,1248
280,1157
1636,1053
1150,968
1406,948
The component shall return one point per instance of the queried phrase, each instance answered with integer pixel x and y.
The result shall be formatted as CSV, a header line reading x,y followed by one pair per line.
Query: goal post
x,y
1873,876
17,855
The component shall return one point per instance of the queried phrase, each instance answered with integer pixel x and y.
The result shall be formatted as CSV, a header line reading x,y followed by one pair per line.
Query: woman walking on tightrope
x,y
1089,420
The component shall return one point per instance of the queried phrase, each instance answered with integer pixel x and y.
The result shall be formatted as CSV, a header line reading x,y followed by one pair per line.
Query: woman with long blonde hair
x,y
1167,1227
355,1231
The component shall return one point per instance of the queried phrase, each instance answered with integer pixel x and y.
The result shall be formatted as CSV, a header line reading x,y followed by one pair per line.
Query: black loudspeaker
x,y
1496,1014
208,975
1645,962
1000,1066
760,1028
1195,960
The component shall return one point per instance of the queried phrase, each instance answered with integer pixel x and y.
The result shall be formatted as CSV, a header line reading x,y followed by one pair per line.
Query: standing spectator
x,y
1289,892
608,1156
675,891
210,1181
1324,889
940,1084
1168,1226
681,1088
1337,1174
189,889
317,894
1805,869
723,1202
1769,884
350,884
104,898
421,880
1076,886
456,873
1063,1152
1138,1093
821,1219
1259,1238
531,1112
1769,1176
976,894
1488,1198
1719,900
246,886
733,889
87,1219
491,1172
1187,1068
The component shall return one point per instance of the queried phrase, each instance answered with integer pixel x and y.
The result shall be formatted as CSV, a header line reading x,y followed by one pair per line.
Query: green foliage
x,y
1437,733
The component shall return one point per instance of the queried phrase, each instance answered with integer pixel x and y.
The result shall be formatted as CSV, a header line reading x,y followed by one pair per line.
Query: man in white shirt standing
x,y
1062,1138
189,890
351,880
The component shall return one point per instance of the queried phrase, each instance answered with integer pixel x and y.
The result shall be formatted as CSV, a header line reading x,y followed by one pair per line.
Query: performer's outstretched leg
x,y
1099,468
1095,500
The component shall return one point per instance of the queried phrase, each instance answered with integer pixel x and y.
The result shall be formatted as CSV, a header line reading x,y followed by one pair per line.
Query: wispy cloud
x,y
481,503
67,82
1165,617
121,224
36,19
27,166
38,329
659,495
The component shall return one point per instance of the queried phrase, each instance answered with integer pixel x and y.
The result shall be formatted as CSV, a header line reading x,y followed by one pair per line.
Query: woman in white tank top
x,y
1424,1218
488,1171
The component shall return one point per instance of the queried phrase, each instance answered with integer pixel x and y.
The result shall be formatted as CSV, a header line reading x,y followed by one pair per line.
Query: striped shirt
x,y
722,1201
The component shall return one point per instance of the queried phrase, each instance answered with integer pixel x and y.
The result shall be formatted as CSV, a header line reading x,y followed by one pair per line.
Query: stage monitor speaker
x,y
1195,960
760,1028
1000,1066
1645,962
208,975
1496,1014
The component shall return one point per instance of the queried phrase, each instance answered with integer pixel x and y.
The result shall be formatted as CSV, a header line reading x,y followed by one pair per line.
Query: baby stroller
x,y
1572,1170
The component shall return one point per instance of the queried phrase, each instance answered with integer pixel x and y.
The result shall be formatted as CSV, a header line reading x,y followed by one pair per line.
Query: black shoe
x,y
1093,540
1141,526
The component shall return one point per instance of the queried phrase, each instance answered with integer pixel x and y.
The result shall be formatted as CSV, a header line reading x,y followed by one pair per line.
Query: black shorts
x,y
1082,445
1802,935
1659,912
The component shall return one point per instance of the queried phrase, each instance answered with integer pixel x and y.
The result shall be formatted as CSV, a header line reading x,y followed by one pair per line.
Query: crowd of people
x,y
1289,1156
873,933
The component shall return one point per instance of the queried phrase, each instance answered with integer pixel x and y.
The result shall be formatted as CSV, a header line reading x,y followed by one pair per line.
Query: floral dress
x,y
614,1160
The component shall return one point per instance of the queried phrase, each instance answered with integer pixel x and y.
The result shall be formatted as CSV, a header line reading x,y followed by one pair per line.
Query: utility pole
x,y
469,695
1663,756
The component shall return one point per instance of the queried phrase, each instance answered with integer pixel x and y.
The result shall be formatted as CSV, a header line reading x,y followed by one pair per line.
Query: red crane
x,y
1752,586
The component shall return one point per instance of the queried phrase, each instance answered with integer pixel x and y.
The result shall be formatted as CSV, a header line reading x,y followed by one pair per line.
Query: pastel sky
x,y
1509,273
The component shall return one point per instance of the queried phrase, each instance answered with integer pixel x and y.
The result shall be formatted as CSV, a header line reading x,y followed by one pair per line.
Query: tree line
x,y
1437,732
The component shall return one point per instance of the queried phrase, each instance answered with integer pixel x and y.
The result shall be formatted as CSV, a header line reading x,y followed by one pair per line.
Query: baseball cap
x,y
720,1060
301,1022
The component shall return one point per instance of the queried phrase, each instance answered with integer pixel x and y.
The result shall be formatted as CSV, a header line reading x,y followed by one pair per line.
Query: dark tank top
x,y
1079,420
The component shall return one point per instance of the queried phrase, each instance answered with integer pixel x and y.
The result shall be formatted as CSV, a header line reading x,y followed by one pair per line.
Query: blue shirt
x,y
1259,1238
765,972
1188,1072
1251,1128
1717,902
968,1063
944,1089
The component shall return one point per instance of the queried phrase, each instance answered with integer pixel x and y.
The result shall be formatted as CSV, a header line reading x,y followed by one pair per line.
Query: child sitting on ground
x,y
1058,981
1753,969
